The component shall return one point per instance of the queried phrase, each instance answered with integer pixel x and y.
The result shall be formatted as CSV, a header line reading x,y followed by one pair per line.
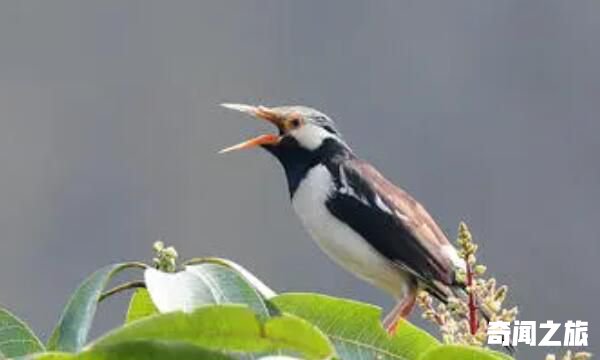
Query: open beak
x,y
259,112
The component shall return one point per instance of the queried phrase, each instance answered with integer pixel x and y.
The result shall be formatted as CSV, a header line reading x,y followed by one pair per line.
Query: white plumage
x,y
342,244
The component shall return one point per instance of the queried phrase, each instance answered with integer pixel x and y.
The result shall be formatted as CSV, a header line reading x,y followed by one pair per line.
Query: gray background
x,y
109,126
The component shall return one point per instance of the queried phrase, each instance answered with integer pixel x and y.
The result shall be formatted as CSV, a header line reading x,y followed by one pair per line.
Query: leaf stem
x,y
122,287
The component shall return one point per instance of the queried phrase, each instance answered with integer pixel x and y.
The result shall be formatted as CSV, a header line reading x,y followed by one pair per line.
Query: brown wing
x,y
410,237
421,222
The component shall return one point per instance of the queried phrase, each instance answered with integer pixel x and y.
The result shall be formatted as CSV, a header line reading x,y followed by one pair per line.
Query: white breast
x,y
338,240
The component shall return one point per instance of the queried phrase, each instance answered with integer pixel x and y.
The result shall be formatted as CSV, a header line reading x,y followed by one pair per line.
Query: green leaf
x,y
355,328
459,352
227,328
16,338
52,356
209,281
248,277
140,306
70,334
141,350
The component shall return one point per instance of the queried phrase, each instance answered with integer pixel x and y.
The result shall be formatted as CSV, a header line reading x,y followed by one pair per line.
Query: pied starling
x,y
361,220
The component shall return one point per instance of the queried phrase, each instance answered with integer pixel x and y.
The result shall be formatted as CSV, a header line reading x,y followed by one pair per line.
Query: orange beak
x,y
259,112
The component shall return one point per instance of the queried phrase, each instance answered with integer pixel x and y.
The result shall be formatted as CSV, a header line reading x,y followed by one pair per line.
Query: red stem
x,y
473,323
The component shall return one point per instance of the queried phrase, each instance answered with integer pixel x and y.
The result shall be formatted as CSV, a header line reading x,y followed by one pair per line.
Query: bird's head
x,y
300,128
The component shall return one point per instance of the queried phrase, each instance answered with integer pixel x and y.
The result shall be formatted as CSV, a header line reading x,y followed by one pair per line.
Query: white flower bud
x,y
158,246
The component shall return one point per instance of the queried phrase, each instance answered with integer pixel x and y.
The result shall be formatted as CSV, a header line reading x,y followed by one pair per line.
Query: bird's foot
x,y
400,311
391,328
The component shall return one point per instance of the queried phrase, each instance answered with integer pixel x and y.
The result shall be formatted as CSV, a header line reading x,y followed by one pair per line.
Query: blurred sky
x,y
485,111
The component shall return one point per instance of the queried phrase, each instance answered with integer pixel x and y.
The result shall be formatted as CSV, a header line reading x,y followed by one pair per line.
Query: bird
x,y
362,221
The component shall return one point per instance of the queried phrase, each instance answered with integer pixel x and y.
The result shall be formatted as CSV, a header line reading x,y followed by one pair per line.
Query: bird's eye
x,y
295,123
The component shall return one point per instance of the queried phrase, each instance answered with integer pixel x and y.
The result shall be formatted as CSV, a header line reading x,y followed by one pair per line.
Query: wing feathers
x,y
393,222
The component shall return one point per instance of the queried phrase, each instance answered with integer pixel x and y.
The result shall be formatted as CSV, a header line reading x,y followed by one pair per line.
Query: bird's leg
x,y
400,311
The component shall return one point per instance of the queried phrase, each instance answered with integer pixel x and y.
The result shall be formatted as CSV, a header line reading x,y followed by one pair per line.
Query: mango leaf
x,y
70,334
257,284
51,355
230,328
459,352
140,350
355,328
207,282
16,338
140,306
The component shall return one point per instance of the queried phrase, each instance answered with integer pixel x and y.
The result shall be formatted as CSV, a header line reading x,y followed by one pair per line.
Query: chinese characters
x,y
525,332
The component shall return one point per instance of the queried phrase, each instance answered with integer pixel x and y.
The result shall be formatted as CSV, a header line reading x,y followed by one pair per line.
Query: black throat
x,y
297,161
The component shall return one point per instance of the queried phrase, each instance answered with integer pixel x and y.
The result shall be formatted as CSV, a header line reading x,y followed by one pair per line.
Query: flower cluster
x,y
458,320
165,258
